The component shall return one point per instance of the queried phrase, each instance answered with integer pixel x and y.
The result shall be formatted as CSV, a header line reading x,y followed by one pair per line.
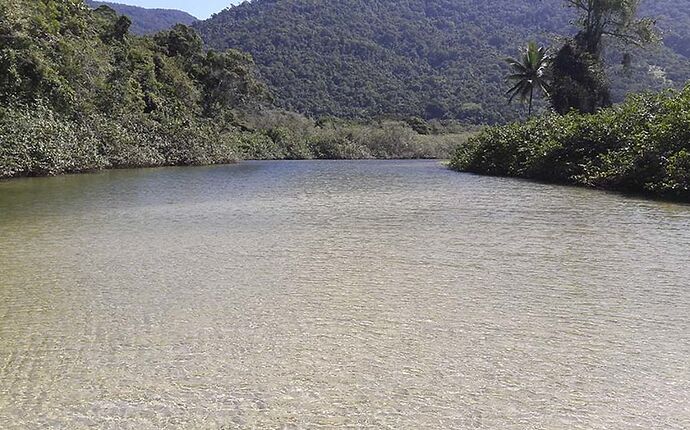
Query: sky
x,y
199,8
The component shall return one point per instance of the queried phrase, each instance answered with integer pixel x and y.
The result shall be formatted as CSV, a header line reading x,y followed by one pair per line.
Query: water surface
x,y
339,295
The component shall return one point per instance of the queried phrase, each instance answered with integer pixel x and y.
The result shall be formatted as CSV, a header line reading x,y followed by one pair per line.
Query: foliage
x,y
578,81
420,58
147,21
616,19
285,135
35,141
642,145
80,93
579,78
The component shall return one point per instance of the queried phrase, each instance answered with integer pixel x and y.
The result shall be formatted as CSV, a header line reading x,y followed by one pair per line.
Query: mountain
x,y
429,58
147,21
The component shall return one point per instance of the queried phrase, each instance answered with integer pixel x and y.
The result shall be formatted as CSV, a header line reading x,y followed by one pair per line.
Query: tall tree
x,y
616,19
529,74
578,81
578,78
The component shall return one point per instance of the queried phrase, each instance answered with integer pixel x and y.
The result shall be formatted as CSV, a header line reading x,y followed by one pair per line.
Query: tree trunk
x,y
531,96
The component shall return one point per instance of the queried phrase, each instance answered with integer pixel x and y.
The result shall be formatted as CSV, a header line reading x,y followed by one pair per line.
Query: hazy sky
x,y
198,8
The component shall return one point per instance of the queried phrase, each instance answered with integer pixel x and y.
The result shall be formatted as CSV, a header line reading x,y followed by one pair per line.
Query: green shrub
x,y
640,146
286,135
37,142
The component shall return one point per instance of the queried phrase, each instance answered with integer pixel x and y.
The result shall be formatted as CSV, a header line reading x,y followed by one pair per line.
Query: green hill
x,y
429,58
147,21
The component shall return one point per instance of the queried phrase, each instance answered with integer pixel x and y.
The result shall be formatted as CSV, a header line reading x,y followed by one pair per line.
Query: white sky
x,y
200,8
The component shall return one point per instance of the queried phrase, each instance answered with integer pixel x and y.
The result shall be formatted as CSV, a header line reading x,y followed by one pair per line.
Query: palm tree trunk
x,y
531,95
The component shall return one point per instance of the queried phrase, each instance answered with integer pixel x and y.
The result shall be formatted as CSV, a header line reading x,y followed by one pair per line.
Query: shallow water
x,y
339,294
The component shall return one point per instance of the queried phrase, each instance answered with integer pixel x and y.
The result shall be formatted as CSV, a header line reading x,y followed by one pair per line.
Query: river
x,y
337,294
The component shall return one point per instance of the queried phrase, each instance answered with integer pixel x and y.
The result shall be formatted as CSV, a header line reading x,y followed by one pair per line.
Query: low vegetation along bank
x,y
287,136
640,146
35,141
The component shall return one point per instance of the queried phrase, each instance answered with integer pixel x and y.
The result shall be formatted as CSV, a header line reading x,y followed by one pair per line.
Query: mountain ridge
x,y
147,20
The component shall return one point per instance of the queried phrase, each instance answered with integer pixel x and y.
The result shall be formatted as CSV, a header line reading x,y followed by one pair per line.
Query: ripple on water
x,y
339,294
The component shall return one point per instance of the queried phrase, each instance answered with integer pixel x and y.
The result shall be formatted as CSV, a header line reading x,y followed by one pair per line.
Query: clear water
x,y
339,295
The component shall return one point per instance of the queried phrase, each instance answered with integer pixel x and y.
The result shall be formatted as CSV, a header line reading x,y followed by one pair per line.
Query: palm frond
x,y
528,73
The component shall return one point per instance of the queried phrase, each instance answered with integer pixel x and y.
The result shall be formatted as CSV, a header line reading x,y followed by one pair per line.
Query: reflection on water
x,y
339,294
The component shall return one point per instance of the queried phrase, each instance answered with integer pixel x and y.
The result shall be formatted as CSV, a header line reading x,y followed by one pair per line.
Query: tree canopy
x,y
616,19
578,74
529,73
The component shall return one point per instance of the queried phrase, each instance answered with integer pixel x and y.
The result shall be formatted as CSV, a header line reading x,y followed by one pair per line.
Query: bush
x,y
286,135
34,141
37,142
641,146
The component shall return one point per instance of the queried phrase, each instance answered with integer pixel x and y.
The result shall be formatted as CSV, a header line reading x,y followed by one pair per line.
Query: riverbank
x,y
641,146
281,135
37,142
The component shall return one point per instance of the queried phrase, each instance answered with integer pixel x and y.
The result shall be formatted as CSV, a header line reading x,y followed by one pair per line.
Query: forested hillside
x,y
147,21
674,18
430,58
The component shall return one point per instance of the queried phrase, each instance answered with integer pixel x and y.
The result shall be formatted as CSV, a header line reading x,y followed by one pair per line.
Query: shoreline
x,y
444,161
620,192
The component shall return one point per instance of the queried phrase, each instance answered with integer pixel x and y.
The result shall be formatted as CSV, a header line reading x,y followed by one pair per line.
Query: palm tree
x,y
529,72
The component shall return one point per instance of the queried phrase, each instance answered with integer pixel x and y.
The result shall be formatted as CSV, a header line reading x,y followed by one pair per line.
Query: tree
x,y
616,19
181,41
229,82
578,81
578,78
114,26
121,27
529,72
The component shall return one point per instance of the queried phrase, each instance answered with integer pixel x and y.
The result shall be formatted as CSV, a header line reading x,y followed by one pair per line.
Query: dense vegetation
x,y
429,58
642,145
79,93
285,135
147,21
